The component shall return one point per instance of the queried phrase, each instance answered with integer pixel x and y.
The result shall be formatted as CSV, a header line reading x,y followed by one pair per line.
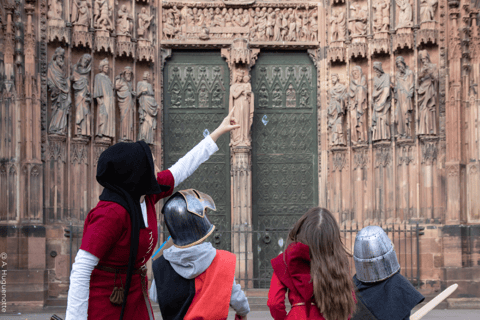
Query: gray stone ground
x,y
257,315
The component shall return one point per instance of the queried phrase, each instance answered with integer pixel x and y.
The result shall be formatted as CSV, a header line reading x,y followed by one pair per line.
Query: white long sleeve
x,y
77,305
187,165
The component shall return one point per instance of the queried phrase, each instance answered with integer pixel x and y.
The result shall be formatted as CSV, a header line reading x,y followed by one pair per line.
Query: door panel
x,y
196,94
284,151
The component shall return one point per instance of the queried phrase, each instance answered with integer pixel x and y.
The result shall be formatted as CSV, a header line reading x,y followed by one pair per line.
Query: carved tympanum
x,y
59,86
404,87
81,89
427,95
357,105
382,102
125,98
147,109
103,93
336,112
241,97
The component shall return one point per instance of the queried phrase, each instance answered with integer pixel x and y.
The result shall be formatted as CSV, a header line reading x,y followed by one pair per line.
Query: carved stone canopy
x,y
240,53
238,2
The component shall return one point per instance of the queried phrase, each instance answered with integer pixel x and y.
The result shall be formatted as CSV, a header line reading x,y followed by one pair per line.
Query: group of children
x,y
193,280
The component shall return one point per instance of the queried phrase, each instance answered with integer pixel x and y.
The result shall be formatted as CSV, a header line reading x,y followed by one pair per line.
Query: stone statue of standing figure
x,y
404,85
336,112
357,104
81,89
427,95
103,93
147,109
59,86
241,97
126,103
382,102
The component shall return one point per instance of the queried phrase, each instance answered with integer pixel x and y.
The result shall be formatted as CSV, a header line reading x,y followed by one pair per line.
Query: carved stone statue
x,y
59,86
102,14
81,89
336,112
382,102
406,14
124,25
428,9
147,109
427,95
241,97
381,20
103,93
314,26
357,104
337,22
125,97
404,84
358,20
81,15
168,26
144,21
54,14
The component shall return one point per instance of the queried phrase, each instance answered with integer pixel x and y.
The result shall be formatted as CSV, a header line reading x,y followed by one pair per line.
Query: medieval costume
x,y
382,292
193,280
108,279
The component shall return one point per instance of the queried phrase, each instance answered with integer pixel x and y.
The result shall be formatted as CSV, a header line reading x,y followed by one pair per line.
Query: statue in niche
x,y
304,97
382,102
203,96
358,20
427,95
357,104
241,97
103,93
176,97
270,23
144,21
336,112
147,109
168,26
102,14
125,98
263,96
81,91
291,97
404,84
54,14
406,14
381,20
59,86
337,22
189,96
124,25
428,9
277,96
81,15
217,96
314,26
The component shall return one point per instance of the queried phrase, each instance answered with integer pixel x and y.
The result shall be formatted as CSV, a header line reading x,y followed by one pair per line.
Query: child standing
x,y
382,292
314,269
193,280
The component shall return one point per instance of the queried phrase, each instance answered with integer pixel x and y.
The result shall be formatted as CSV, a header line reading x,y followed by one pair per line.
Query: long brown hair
x,y
329,267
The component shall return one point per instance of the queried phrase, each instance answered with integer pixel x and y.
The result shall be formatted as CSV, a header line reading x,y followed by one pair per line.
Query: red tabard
x,y
213,289
106,235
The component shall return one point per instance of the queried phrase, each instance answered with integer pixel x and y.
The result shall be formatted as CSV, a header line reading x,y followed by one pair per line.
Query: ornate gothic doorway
x,y
284,151
196,91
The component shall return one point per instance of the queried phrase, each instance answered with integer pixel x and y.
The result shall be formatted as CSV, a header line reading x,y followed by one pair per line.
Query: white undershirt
x,y
85,262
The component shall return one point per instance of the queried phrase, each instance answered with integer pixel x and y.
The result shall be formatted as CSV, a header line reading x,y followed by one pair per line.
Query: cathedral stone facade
x,y
369,108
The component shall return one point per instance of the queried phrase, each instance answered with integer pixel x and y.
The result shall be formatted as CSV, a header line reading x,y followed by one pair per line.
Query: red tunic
x,y
106,235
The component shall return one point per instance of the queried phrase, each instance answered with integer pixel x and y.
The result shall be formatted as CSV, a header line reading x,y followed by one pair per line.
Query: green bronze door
x,y
284,151
196,90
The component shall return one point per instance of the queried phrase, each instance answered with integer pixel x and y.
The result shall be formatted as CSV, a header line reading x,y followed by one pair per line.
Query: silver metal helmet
x,y
374,255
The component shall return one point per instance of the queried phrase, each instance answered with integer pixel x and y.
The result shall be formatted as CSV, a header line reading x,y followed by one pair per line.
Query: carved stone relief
x,y
147,109
428,25
358,106
103,10
124,29
336,112
82,22
56,23
381,25
382,98
145,50
427,95
81,89
59,87
357,28
259,24
126,103
404,89
103,94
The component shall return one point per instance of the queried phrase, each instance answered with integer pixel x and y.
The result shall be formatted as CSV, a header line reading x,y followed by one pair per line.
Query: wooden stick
x,y
434,302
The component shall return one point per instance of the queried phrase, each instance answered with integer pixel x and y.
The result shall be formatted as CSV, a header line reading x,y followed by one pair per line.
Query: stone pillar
x,y
240,59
